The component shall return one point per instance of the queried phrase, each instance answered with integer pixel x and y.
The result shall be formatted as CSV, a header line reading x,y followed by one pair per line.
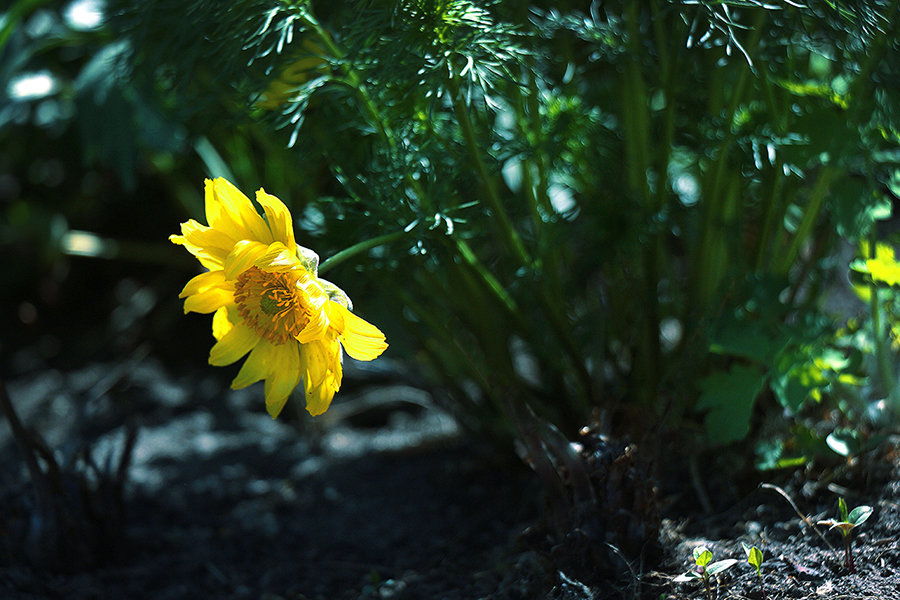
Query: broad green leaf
x,y
739,339
688,576
719,566
728,398
859,515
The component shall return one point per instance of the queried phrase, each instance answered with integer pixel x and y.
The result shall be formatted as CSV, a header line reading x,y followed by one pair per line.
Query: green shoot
x,y
755,558
703,570
846,525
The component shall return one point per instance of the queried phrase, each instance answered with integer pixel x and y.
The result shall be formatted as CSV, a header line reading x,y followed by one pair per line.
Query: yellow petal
x,y
210,246
279,218
278,258
232,212
217,216
283,377
315,329
322,372
208,238
210,263
314,363
209,300
318,399
256,366
244,255
233,346
361,339
203,282
222,323
316,301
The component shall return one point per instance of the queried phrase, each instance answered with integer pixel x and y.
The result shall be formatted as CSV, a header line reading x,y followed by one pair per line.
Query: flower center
x,y
270,304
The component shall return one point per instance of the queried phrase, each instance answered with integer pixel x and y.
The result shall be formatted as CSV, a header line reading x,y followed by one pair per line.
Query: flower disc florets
x,y
271,304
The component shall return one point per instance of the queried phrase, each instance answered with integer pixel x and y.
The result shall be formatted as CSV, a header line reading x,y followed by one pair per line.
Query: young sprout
x,y
704,571
755,558
846,525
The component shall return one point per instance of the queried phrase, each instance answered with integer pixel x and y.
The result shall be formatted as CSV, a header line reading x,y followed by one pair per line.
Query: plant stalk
x,y
507,232
355,249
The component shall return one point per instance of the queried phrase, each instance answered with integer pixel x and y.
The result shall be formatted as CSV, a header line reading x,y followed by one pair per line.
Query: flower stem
x,y
355,249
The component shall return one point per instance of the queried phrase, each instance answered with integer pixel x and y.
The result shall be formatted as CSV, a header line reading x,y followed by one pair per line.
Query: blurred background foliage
x,y
639,215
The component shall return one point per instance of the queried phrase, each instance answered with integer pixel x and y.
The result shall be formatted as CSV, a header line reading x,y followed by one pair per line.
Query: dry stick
x,y
804,518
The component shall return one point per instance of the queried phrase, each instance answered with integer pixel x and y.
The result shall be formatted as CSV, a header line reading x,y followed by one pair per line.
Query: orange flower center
x,y
271,304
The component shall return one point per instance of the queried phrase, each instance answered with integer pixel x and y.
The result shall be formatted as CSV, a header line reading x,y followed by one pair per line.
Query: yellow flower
x,y
269,301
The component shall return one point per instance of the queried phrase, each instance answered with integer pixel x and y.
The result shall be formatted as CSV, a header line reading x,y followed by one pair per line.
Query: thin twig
x,y
803,517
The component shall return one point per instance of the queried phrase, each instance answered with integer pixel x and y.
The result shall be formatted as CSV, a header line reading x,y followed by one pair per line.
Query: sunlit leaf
x,y
859,515
702,556
721,565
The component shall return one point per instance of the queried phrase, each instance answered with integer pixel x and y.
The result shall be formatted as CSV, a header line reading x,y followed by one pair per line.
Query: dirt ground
x,y
384,498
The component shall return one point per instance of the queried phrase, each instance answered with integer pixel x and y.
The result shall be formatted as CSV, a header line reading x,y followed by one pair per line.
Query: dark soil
x,y
385,497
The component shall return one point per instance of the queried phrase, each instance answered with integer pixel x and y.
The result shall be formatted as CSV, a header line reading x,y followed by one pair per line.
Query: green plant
x,y
847,523
570,224
703,570
755,558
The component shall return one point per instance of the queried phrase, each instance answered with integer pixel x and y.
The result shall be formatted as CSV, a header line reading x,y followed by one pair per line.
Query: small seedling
x,y
703,570
849,521
755,558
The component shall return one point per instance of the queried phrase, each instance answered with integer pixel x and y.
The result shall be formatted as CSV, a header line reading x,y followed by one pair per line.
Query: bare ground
x,y
386,498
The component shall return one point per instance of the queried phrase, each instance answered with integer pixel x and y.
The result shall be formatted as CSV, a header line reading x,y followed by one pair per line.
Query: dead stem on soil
x,y
803,517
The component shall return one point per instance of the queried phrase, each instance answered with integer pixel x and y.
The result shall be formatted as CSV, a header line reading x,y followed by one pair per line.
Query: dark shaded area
x,y
226,503
381,500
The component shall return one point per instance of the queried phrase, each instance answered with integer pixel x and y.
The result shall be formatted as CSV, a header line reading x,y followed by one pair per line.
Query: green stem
x,y
810,217
510,236
772,218
471,259
636,121
355,249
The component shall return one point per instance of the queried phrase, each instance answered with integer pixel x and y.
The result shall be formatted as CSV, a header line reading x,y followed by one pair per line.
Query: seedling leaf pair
x,y
848,522
754,557
703,570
